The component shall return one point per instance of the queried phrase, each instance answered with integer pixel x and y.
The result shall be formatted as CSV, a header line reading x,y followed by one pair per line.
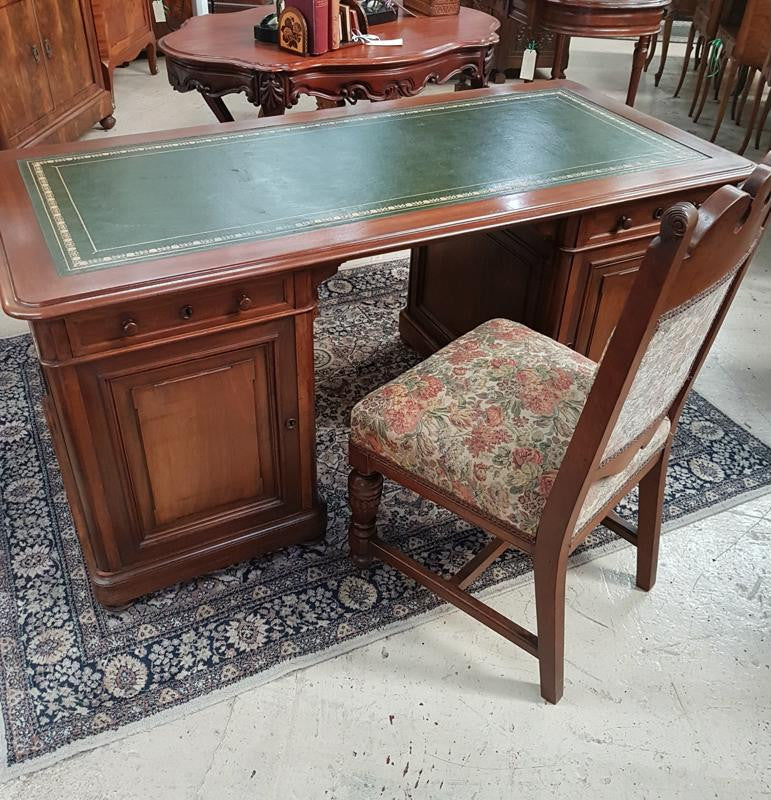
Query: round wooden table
x,y
216,54
596,19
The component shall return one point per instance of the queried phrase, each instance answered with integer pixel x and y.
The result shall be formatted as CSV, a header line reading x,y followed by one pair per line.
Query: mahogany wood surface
x,y
217,55
50,78
231,328
694,251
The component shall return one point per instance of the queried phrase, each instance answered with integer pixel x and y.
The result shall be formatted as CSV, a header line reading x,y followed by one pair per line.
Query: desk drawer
x,y
171,315
631,220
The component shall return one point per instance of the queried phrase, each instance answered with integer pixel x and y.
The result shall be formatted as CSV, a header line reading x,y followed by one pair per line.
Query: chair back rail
x,y
685,285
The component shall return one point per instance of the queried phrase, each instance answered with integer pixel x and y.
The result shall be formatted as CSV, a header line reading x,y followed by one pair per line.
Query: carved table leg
x,y
217,105
364,496
638,62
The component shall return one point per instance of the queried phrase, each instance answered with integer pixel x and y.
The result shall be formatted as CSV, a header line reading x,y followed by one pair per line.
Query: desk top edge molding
x,y
351,240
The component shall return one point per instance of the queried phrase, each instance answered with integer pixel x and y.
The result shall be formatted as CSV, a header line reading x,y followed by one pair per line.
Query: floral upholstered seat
x,y
487,420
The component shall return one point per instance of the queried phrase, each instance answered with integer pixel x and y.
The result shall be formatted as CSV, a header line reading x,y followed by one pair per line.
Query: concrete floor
x,y
668,694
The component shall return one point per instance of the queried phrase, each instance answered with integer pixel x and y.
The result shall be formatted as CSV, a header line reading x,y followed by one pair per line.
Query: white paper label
x,y
527,71
159,12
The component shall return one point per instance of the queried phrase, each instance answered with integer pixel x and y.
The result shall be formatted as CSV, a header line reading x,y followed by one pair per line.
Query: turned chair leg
x,y
703,81
665,47
651,51
763,118
745,93
364,493
686,60
728,85
550,613
650,507
753,116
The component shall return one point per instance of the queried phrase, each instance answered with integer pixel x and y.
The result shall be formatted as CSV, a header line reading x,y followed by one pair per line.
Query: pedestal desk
x,y
175,327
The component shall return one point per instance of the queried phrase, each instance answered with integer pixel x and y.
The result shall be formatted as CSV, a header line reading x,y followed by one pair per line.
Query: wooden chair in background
x,y
678,11
764,81
706,18
535,443
745,43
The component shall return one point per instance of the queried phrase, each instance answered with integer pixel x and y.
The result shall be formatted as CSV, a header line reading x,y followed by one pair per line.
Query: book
x,y
316,13
345,22
334,24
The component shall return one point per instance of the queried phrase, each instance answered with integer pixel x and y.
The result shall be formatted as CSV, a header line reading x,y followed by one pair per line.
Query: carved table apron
x,y
216,55
175,327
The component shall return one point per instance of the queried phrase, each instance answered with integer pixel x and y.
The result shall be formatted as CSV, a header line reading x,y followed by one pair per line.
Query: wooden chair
x,y
764,80
535,443
745,46
706,18
681,11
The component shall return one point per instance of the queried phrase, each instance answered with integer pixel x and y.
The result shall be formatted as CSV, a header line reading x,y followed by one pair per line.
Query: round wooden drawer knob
x,y
624,223
658,213
130,327
186,312
244,302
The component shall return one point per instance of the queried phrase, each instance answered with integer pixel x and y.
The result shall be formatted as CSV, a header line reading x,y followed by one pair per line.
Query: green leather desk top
x,y
115,207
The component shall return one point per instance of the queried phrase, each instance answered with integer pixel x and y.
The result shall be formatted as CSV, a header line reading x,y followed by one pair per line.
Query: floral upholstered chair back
x,y
718,248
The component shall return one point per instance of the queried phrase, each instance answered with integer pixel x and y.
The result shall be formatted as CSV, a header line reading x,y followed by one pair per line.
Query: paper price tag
x,y
527,70
159,12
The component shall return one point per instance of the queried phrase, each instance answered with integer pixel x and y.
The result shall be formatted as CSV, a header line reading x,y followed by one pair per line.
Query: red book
x,y
316,13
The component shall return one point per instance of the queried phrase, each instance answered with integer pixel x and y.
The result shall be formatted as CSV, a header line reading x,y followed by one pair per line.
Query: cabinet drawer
x,y
171,315
631,220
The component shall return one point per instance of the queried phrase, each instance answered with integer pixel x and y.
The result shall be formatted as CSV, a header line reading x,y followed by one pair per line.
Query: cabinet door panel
x,y
26,94
201,435
67,53
197,439
611,273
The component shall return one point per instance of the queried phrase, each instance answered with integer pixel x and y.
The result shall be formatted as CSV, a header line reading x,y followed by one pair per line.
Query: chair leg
x,y
753,116
550,612
763,118
700,42
702,84
665,47
728,83
651,50
649,521
364,493
738,91
745,93
686,59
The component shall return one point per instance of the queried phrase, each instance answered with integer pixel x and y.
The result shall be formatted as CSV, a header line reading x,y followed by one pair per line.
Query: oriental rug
x,y
74,674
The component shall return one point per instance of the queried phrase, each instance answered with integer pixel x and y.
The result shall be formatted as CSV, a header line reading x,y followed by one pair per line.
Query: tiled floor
x,y
668,694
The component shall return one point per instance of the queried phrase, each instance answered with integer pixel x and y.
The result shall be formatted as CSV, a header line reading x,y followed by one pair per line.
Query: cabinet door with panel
x,y
204,445
70,66
608,274
26,96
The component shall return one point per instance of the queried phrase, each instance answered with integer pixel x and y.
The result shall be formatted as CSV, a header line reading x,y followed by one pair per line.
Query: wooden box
x,y
434,8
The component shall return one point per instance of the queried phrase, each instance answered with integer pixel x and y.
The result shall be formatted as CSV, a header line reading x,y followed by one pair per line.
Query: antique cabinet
x,y
124,29
51,87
